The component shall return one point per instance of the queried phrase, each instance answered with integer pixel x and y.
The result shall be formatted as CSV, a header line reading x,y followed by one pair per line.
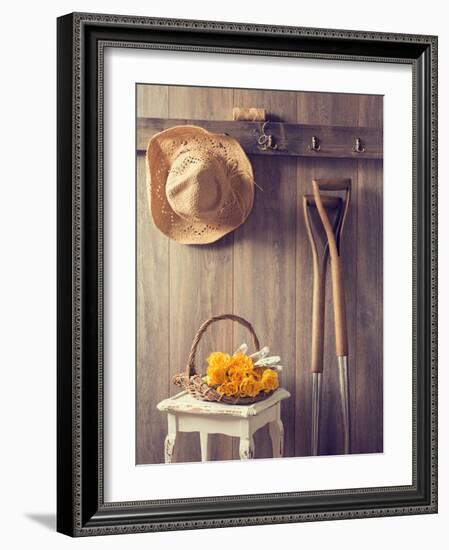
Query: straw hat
x,y
201,184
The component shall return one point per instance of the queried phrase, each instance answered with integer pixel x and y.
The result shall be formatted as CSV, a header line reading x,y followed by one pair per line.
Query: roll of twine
x,y
248,113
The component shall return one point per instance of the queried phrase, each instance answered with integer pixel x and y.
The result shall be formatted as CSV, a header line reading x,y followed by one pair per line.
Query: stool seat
x,y
187,414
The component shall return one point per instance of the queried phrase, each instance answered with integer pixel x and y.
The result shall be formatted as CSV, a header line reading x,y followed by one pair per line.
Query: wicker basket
x,y
193,382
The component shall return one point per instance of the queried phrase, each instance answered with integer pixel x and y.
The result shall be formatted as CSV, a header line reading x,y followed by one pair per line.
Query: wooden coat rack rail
x,y
279,138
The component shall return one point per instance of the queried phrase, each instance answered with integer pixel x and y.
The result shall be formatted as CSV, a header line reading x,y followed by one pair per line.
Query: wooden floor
x,y
262,271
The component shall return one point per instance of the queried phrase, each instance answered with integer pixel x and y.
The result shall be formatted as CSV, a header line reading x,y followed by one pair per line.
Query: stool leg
x,y
276,429
246,449
205,446
169,445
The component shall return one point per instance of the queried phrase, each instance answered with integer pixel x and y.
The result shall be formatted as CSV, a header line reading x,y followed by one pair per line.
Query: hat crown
x,y
198,186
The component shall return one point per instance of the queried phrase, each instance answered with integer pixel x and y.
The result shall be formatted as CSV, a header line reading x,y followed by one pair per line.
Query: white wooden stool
x,y
187,414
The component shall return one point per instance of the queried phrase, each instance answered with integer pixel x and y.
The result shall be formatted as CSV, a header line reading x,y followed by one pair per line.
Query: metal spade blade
x,y
343,383
316,406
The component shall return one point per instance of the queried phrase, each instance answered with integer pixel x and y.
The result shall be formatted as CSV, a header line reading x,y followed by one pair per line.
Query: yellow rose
x,y
236,376
229,389
241,362
258,372
249,387
218,359
257,387
216,375
270,380
217,366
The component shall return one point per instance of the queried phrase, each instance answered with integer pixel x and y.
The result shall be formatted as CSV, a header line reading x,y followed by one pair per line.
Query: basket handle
x,y
191,361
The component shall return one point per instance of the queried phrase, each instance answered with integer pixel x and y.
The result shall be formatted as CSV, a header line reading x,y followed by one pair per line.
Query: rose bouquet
x,y
242,375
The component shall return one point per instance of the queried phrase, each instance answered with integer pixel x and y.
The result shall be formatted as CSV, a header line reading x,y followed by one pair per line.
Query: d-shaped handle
x,y
341,332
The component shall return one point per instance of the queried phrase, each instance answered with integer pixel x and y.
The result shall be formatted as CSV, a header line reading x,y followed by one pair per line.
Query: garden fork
x,y
333,231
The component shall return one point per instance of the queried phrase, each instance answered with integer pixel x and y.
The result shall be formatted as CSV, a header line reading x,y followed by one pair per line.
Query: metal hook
x,y
315,144
266,141
358,147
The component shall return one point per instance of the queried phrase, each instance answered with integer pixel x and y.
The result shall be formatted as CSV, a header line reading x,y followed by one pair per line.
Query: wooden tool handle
x,y
329,202
319,284
333,184
341,332
318,309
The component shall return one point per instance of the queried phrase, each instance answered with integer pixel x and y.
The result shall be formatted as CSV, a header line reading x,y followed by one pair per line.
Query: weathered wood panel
x,y
200,276
337,109
371,111
262,271
264,259
304,282
153,363
368,433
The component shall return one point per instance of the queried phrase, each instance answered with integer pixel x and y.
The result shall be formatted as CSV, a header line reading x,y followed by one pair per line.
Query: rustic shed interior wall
x,y
262,271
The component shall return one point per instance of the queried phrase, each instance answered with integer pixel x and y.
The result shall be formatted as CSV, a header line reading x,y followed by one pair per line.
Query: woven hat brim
x,y
163,148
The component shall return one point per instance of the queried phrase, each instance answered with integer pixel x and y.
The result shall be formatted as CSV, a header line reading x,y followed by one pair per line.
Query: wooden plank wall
x,y
262,271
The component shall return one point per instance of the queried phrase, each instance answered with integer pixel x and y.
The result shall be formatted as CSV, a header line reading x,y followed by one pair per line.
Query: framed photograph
x,y
247,274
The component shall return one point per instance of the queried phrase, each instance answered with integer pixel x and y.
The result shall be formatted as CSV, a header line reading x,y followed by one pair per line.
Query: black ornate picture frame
x,y
81,509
